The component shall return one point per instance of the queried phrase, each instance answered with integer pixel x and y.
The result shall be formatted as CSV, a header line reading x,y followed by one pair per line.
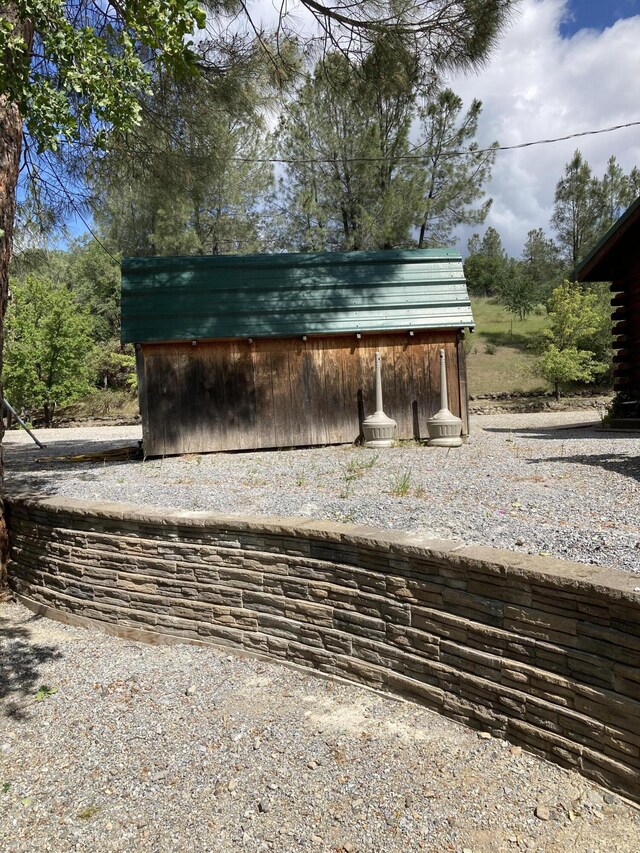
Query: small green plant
x,y
357,466
346,518
44,692
401,484
491,349
301,480
88,812
6,787
353,470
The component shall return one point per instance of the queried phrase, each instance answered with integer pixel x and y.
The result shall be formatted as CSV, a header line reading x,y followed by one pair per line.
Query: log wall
x,y
543,652
626,333
241,394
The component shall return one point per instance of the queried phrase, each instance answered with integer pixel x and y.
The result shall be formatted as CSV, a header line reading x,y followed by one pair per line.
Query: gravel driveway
x,y
109,745
534,482
170,749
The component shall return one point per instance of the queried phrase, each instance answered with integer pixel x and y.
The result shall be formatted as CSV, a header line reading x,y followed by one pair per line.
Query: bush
x,y
47,346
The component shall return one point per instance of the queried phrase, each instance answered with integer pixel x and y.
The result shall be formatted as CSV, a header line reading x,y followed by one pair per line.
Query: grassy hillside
x,y
499,353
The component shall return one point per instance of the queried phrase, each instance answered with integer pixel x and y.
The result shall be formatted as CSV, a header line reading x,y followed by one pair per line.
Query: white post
x,y
378,383
378,429
444,427
444,398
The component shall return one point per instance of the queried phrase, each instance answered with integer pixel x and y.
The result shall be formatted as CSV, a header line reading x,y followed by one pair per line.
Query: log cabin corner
x,y
616,258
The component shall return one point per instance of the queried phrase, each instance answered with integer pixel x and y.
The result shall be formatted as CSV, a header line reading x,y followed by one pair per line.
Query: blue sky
x,y
596,14
562,67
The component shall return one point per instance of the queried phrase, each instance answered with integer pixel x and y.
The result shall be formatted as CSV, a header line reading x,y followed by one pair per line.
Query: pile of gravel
x,y
536,483
108,745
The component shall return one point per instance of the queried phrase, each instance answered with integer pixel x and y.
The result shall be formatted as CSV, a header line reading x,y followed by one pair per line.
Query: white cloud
x,y
538,85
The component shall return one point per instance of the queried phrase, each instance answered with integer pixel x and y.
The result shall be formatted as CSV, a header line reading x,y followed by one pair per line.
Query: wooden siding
x,y
240,395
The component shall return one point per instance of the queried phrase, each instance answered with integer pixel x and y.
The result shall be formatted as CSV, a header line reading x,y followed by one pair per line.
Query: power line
x,y
411,157
465,152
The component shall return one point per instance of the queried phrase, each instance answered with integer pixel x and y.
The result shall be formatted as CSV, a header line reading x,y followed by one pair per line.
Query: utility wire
x,y
465,152
462,153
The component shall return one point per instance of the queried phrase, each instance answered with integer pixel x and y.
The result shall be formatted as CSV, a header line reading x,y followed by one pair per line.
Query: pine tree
x,y
616,191
346,184
452,184
487,267
195,183
576,213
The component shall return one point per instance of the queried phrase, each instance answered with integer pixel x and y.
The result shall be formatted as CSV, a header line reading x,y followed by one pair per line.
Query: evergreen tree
x,y
540,264
452,185
577,211
347,185
616,191
195,184
355,182
487,268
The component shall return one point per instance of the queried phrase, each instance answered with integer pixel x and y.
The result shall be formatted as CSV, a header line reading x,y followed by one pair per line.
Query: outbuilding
x,y
263,351
616,258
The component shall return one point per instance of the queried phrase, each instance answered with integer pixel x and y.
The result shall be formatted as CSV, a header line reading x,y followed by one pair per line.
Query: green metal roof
x,y
258,296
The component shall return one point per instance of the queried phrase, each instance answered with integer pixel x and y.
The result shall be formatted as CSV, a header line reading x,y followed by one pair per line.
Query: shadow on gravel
x,y
75,447
39,470
45,483
20,662
564,433
628,466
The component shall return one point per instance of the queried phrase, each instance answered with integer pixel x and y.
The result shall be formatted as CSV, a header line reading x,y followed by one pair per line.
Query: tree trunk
x,y
49,409
10,148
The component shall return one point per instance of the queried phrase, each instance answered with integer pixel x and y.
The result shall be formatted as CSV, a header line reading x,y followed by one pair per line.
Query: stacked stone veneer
x,y
541,651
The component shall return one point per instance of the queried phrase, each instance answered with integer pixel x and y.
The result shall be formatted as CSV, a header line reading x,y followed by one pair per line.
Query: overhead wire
x,y
461,153
402,157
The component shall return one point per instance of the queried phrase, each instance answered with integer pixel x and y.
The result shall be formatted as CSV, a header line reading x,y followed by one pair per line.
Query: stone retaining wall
x,y
543,652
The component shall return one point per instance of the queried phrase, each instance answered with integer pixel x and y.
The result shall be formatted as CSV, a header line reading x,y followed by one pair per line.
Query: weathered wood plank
x,y
143,395
299,392
462,384
264,429
404,392
230,395
318,408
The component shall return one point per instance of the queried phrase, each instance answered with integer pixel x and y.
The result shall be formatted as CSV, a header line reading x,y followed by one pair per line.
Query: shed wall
x,y
241,395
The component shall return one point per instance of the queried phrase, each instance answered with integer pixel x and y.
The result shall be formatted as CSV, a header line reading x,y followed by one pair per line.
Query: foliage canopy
x,y
48,345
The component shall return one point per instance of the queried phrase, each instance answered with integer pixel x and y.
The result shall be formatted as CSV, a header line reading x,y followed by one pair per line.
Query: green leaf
x,y
44,692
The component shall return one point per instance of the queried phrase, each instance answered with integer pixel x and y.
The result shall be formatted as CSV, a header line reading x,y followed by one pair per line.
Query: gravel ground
x,y
535,483
183,748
